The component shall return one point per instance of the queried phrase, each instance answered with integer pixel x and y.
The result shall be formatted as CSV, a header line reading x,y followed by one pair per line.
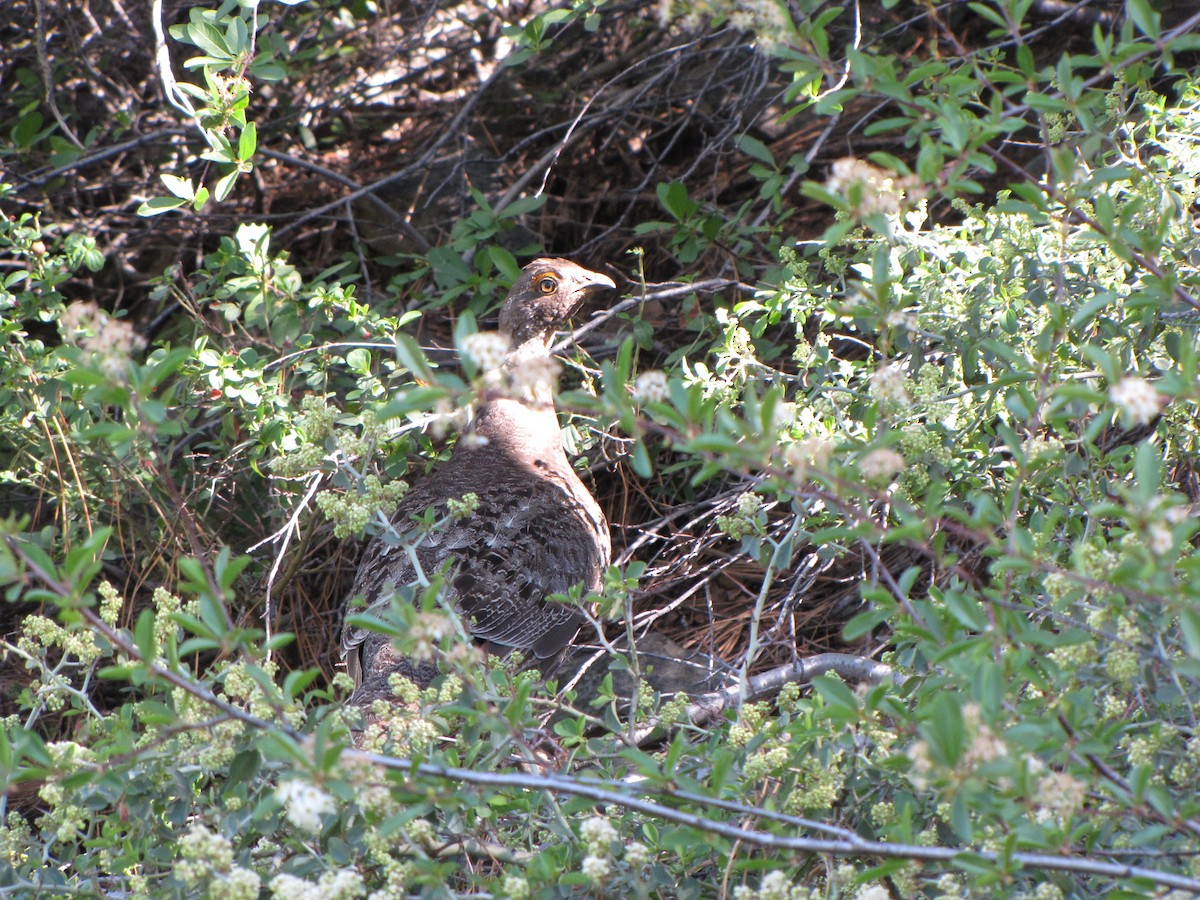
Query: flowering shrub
x,y
1004,389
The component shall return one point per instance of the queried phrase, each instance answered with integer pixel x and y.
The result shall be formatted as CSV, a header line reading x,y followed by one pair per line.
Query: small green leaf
x,y
248,141
1148,21
143,635
359,360
640,460
208,39
1189,623
159,205
756,149
1147,470
180,187
835,693
225,185
674,198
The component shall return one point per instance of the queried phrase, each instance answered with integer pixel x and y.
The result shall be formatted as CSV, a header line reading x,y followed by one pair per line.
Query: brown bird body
x,y
535,531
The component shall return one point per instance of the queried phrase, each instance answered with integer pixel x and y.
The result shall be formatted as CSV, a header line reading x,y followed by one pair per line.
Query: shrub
x,y
1000,383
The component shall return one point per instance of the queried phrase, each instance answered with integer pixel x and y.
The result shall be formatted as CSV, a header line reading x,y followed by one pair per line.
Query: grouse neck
x,y
528,432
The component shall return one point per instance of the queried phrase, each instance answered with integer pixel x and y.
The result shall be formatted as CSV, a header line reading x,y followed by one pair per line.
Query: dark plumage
x,y
536,530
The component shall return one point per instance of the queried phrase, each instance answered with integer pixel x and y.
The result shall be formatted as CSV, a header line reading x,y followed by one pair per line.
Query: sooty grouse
x,y
535,531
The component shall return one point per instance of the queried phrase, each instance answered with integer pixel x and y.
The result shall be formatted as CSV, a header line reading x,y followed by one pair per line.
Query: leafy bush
x,y
992,370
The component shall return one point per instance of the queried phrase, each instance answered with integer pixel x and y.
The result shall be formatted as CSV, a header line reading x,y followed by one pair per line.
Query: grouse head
x,y
545,296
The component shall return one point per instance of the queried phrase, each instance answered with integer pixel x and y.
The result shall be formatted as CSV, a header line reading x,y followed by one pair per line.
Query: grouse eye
x,y
547,285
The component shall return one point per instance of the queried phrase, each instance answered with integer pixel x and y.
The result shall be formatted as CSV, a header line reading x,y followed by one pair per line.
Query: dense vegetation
x,y
896,424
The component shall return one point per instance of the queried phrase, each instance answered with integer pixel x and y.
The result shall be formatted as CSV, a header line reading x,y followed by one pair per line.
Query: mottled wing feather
x,y
525,541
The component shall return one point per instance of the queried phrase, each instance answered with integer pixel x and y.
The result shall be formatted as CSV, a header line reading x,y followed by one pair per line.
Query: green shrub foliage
x,y
1020,421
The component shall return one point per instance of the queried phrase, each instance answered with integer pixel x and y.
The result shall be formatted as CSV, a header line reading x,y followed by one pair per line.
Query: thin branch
x,y
678,289
162,59
283,537
708,707
48,73
605,793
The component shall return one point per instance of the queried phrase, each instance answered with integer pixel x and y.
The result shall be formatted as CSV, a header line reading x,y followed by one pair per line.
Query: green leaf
x,y
1189,623
208,39
1148,21
159,205
836,693
225,185
163,365
966,610
865,622
1147,471
143,635
279,641
756,149
248,141
25,133
201,198
716,442
359,360
640,460
296,682
674,198
180,187
409,400
410,355
244,766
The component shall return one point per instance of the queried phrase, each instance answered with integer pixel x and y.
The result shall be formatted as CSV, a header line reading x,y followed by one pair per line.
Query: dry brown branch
x,y
766,685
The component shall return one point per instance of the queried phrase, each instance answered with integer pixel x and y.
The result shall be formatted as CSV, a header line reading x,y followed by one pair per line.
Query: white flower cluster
x,y
637,854
596,868
111,603
466,505
985,745
237,884
598,833
1136,399
783,417
599,836
531,374
422,833
774,886
351,511
1059,797
110,341
1161,518
429,629
903,320
811,453
870,188
889,384
880,464
743,521
340,884
651,386
766,20
1159,539
486,349
304,804
514,887
39,634
447,417
203,853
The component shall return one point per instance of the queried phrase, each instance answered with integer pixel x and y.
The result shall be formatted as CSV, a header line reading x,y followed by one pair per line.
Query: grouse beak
x,y
594,281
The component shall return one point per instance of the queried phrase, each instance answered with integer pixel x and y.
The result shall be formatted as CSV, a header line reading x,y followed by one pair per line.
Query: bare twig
x,y
708,707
